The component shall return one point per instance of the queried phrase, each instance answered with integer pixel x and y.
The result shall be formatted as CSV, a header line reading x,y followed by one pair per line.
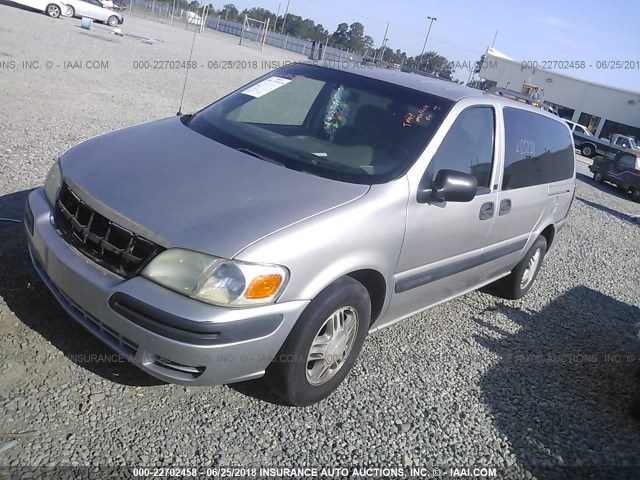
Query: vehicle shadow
x,y
259,390
9,3
610,211
603,187
574,368
31,302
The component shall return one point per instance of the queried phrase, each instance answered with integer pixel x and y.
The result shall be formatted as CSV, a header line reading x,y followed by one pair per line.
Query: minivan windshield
x,y
327,122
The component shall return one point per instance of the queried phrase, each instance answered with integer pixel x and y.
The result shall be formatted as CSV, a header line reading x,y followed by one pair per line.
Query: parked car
x,y
590,146
576,127
111,5
95,10
270,232
193,18
53,8
623,170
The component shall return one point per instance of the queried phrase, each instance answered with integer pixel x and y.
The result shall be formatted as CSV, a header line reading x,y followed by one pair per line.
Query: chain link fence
x,y
162,12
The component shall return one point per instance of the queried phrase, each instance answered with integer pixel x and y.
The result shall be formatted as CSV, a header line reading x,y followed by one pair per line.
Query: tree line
x,y
347,37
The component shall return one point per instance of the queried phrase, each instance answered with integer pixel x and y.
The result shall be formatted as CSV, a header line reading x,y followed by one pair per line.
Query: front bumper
x,y
172,337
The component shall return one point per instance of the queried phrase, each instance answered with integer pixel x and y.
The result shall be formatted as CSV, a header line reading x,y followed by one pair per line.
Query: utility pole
x,y
384,49
284,19
433,19
384,43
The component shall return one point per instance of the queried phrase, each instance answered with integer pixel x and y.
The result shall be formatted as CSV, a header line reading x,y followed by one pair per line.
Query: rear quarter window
x,y
538,150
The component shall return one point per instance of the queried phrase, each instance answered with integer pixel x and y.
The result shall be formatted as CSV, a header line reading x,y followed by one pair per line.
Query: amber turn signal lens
x,y
263,287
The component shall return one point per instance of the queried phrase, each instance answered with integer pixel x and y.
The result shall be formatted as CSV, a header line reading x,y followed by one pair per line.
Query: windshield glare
x,y
327,122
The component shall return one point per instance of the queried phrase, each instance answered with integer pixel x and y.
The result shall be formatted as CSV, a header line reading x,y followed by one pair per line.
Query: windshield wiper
x,y
248,151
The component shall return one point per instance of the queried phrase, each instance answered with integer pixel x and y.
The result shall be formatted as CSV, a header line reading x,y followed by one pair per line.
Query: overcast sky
x,y
586,30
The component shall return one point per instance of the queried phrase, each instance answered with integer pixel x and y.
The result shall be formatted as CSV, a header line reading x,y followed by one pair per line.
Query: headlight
x,y
53,183
216,280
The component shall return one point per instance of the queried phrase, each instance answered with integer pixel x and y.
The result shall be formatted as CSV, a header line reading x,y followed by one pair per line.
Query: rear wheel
x,y
635,195
519,281
598,177
113,21
53,10
71,12
587,150
323,345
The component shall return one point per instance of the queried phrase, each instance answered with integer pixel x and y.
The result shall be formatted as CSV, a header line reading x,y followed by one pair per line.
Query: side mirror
x,y
450,186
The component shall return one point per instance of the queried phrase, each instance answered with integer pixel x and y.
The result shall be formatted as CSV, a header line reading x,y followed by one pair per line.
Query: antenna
x,y
494,39
186,75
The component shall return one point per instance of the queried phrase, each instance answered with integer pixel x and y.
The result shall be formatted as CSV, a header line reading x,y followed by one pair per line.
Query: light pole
x,y
277,15
384,49
433,19
284,19
384,43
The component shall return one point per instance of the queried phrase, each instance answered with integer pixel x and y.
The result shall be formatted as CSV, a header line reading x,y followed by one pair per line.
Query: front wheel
x,y
53,10
519,281
71,12
113,21
598,177
635,194
323,345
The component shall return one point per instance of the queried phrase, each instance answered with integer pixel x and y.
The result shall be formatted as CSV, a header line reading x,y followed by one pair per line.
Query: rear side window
x,y
538,150
468,146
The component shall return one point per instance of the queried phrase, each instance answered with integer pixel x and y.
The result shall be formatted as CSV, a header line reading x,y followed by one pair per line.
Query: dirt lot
x,y
523,386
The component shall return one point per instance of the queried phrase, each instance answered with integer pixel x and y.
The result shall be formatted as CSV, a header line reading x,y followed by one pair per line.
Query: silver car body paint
x,y
180,189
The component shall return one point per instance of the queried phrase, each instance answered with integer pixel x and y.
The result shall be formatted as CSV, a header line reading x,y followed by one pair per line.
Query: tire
x,y
71,12
588,150
113,21
297,378
515,286
634,406
53,10
598,177
635,195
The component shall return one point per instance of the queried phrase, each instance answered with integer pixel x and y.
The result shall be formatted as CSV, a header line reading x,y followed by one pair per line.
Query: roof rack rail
x,y
519,97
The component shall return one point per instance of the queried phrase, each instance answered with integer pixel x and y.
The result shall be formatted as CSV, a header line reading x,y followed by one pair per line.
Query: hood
x,y
178,188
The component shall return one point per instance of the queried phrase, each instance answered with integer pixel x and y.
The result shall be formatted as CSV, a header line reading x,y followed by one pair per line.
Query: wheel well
x,y
549,233
375,284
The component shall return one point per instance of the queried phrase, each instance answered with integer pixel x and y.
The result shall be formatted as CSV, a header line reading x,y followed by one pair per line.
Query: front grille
x,y
120,344
103,241
117,342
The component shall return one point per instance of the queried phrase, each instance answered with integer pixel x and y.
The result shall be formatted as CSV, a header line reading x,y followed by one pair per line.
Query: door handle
x,y
505,207
487,210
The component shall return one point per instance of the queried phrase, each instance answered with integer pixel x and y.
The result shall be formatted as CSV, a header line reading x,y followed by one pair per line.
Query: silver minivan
x,y
270,232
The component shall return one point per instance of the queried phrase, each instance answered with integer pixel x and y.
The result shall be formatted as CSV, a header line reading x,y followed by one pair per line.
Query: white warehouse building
x,y
602,109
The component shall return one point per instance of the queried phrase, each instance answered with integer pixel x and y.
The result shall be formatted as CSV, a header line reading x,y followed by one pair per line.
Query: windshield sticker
x,y
420,117
266,86
337,112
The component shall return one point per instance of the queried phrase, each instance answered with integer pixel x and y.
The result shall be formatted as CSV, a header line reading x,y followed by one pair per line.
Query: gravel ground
x,y
518,385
